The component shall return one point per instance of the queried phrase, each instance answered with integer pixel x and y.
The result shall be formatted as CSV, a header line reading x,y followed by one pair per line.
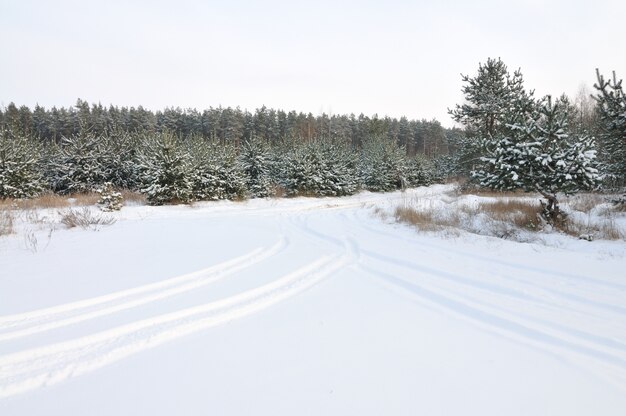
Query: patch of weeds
x,y
84,218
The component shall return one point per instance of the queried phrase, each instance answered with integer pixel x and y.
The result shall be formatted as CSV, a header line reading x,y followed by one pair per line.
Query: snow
x,y
307,306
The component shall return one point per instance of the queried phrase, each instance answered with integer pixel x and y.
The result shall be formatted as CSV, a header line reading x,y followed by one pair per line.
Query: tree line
x,y
224,125
167,168
510,140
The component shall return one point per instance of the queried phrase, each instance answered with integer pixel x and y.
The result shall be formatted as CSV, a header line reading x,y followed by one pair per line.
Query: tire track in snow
x,y
43,366
40,320
550,273
501,324
497,289
534,285
477,309
513,295
597,341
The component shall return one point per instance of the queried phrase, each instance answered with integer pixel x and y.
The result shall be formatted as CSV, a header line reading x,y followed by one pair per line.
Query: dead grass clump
x,y
50,200
584,202
47,200
606,229
425,220
278,191
523,214
133,198
6,221
84,218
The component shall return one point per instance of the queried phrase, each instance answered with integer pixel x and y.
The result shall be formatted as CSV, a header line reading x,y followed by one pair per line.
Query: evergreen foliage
x,y
214,171
383,166
179,155
20,175
110,199
256,165
225,125
611,101
120,159
320,168
446,166
493,99
537,154
420,171
165,170
78,164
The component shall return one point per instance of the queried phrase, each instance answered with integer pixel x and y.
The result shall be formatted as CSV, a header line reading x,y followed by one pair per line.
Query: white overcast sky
x,y
386,57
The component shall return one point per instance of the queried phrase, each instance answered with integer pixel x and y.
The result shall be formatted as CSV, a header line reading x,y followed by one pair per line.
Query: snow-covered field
x,y
307,306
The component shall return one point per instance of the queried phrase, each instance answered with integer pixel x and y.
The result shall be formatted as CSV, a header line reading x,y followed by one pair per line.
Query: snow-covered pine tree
x,y
445,167
77,164
420,171
110,199
611,101
335,168
538,155
383,165
255,162
119,159
299,174
320,168
165,170
215,173
493,98
20,173
490,98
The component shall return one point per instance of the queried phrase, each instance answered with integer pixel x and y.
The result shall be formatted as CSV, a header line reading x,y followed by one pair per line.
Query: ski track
x,y
71,313
471,305
44,366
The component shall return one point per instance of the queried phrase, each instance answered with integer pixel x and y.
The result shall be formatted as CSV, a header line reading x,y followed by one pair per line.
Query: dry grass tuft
x,y
584,202
84,218
508,218
48,200
607,229
425,219
51,200
523,214
278,192
133,198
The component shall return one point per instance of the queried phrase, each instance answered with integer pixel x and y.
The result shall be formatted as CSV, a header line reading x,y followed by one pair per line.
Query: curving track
x,y
570,315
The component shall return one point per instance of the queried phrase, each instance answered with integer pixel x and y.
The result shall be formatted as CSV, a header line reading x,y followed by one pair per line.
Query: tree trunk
x,y
551,211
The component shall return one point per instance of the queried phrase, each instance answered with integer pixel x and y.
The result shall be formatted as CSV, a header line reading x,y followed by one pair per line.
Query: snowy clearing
x,y
307,306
